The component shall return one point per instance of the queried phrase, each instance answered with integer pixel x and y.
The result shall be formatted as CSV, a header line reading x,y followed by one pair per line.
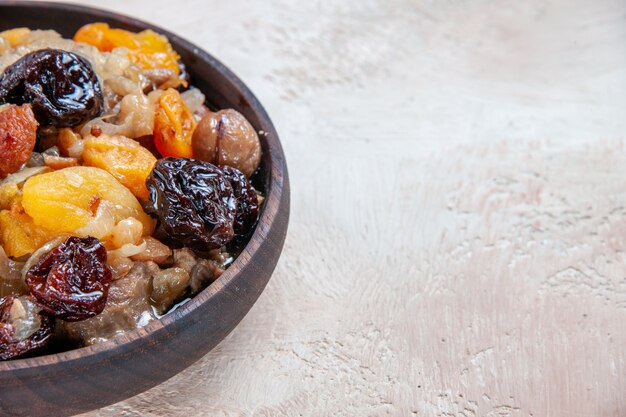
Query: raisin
x,y
247,201
194,202
18,134
23,328
72,281
61,86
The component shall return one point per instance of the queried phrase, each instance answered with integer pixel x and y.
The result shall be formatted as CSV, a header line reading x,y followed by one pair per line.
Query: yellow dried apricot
x,y
68,199
155,52
15,36
125,159
9,193
19,234
147,49
173,126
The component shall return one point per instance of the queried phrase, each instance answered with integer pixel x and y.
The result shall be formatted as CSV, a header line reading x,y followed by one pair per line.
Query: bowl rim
x,y
267,218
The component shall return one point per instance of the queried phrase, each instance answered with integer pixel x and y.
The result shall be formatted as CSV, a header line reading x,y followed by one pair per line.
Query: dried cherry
x,y
247,200
194,202
72,281
61,86
30,332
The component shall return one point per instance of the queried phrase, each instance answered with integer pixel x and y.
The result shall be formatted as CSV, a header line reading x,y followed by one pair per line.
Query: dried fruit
x,y
193,201
66,200
128,307
247,201
227,138
23,328
61,86
72,281
147,49
173,126
70,143
125,159
18,134
15,36
19,235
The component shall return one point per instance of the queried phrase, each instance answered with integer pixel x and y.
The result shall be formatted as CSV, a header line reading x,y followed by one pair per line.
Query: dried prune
x,y
194,202
61,86
247,201
23,328
72,281
18,134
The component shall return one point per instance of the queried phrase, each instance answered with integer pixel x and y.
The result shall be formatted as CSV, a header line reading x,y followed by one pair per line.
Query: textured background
x,y
457,243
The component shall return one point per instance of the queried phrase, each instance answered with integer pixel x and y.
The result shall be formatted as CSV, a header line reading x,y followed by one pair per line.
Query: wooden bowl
x,y
92,377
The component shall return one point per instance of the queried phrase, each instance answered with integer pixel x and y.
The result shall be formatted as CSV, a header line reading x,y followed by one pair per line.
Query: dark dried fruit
x,y
18,134
193,201
247,201
72,281
23,329
61,86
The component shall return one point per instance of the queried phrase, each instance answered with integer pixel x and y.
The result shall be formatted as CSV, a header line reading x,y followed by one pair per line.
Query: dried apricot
x,y
19,234
9,194
147,49
15,36
173,126
66,200
125,159
105,38
70,143
18,134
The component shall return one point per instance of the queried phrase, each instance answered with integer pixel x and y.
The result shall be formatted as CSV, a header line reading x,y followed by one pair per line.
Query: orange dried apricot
x,y
105,38
173,126
125,159
70,143
147,49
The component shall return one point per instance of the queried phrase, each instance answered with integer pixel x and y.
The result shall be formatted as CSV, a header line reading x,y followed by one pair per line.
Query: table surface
x,y
457,242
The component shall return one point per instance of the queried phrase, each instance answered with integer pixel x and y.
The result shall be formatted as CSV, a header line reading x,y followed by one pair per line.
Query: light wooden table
x,y
457,243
